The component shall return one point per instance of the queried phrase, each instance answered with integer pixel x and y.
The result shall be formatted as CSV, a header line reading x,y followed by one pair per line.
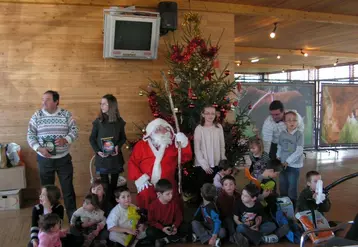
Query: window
x,y
248,77
301,75
334,72
278,76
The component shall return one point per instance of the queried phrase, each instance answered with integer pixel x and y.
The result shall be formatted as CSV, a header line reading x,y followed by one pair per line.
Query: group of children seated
x,y
225,214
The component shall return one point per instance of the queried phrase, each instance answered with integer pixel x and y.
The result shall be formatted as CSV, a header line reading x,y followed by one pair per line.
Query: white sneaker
x,y
194,238
270,239
217,242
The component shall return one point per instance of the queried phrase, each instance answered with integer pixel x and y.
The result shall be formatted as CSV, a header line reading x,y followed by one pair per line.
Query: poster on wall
x,y
300,97
339,124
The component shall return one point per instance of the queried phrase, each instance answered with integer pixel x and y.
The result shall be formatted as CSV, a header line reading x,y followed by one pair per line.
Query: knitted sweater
x,y
47,126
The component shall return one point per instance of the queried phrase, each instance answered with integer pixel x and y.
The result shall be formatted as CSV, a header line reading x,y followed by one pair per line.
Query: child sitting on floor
x,y
88,220
307,198
49,203
225,168
250,218
165,218
123,222
228,196
207,224
51,233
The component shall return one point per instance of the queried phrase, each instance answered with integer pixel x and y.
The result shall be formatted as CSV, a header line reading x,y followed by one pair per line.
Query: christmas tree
x,y
195,82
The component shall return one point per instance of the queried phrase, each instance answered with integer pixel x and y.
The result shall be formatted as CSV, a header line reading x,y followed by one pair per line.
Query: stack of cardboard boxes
x,y
12,181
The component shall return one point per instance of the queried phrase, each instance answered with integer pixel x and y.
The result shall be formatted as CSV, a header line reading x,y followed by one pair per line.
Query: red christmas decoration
x,y
250,107
190,93
236,103
215,105
223,110
191,105
227,72
194,97
216,63
156,114
238,86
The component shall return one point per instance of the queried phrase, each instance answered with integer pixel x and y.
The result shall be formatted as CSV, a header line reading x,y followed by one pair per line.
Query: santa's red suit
x,y
147,163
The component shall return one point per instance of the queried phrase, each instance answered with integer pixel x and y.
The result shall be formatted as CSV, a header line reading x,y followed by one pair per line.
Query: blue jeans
x,y
253,236
289,179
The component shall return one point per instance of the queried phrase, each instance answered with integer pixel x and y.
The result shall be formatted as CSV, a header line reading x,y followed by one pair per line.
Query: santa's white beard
x,y
161,140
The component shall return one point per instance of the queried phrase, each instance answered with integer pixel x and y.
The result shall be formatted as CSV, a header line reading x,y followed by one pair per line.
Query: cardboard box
x,y
10,199
13,178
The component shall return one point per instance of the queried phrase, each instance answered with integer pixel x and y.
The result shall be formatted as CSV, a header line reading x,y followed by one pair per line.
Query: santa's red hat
x,y
153,125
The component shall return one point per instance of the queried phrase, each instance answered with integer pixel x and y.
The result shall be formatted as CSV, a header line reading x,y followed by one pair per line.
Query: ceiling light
x,y
278,56
335,64
239,63
255,60
273,33
283,71
304,53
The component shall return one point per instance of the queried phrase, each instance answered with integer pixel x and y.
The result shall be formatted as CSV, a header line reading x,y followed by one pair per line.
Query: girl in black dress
x,y
106,139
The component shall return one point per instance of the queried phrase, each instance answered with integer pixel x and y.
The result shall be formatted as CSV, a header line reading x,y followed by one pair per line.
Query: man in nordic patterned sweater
x,y
51,131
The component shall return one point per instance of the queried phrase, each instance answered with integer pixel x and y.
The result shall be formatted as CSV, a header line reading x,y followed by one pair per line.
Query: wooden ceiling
x,y
323,41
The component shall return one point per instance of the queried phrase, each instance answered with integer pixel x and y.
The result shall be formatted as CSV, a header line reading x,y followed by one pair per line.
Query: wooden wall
x,y
59,47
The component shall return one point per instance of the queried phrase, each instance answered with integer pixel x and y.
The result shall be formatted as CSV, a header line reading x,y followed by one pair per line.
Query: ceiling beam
x,y
272,66
230,8
297,52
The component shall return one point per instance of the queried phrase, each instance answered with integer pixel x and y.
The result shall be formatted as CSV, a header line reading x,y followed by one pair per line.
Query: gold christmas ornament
x,y
127,147
140,93
176,110
143,130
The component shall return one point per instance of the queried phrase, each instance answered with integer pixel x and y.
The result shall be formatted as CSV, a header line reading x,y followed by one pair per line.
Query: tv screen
x,y
132,35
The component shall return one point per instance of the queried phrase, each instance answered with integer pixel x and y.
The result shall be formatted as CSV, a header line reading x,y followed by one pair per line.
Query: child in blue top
x,y
207,224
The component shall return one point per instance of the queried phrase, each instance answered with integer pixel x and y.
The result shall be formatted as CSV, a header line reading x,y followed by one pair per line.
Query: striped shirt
x,y
46,126
272,130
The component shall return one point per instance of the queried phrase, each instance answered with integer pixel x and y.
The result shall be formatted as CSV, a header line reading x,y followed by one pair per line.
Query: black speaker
x,y
169,16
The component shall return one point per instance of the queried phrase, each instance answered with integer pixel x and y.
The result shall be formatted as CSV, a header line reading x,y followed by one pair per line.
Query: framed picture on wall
x,y
339,115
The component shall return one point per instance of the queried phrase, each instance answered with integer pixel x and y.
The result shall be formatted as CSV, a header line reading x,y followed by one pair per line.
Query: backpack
x,y
284,216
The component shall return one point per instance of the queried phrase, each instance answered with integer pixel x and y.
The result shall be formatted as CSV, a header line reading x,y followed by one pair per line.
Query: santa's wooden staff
x,y
167,89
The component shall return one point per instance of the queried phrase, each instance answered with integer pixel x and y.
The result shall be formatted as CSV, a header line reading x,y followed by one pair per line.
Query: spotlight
x,y
239,63
273,33
304,53
278,57
255,60
335,64
283,71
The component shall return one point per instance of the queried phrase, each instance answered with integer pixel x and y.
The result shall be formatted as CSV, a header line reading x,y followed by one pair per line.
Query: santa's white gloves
x,y
142,183
181,137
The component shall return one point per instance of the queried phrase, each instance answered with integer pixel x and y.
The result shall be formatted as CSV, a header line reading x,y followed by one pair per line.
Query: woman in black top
x,y
106,139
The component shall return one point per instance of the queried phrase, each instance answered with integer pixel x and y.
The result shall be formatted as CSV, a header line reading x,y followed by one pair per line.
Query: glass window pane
x,y
301,75
247,77
278,76
334,72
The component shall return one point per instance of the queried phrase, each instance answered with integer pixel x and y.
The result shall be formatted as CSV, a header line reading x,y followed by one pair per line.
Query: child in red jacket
x,y
165,219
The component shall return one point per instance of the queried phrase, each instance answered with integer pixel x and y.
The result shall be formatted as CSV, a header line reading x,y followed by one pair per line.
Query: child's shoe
x,y
239,240
161,242
194,238
270,239
217,242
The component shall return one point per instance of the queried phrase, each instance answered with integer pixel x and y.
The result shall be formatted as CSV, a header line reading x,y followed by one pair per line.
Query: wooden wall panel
x,y
59,47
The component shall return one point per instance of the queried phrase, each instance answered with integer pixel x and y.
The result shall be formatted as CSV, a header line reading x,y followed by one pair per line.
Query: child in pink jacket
x,y
51,233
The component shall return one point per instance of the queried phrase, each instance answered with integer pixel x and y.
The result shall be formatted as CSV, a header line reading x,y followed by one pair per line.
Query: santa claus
x,y
156,157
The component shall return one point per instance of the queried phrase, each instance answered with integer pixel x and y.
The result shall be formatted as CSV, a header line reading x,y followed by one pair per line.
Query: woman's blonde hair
x,y
257,141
